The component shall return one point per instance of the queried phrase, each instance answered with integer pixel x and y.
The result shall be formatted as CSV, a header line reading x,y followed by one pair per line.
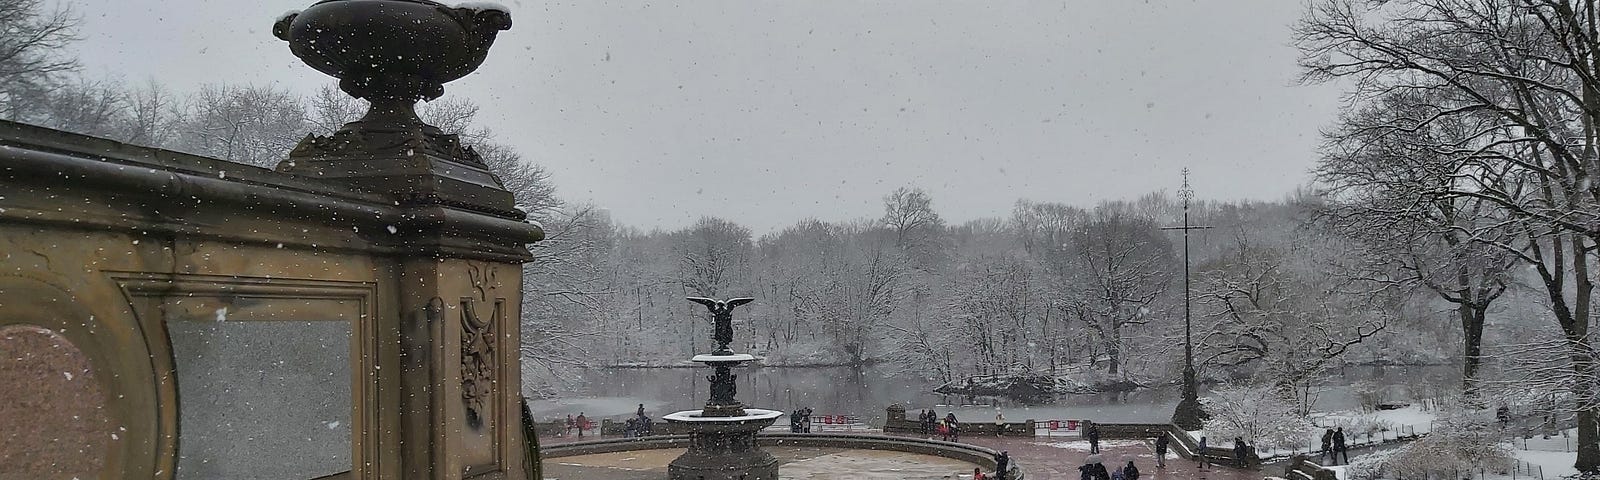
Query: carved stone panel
x,y
479,351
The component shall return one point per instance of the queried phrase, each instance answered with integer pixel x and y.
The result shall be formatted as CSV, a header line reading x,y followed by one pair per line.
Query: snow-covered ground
x,y
1360,429
1537,458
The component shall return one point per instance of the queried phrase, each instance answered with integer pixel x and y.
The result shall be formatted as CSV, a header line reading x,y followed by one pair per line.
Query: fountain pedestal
x,y
722,436
724,448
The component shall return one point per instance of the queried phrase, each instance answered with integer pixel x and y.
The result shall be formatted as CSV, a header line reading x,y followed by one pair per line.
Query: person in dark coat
x,y
1327,444
1240,450
1002,465
1339,446
1200,458
1094,438
1161,451
1130,472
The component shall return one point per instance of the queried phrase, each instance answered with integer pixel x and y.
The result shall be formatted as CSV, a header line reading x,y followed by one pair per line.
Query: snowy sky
x,y
767,112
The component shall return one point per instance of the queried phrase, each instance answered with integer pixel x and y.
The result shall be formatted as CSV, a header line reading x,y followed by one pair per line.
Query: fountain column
x,y
722,442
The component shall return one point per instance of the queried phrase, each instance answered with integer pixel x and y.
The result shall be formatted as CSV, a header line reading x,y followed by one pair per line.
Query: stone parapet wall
x,y
387,327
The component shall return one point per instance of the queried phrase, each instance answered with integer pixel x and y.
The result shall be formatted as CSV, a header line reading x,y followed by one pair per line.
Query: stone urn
x,y
392,52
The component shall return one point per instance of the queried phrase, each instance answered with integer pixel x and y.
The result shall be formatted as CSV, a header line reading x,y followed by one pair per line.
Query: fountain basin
x,y
729,358
752,415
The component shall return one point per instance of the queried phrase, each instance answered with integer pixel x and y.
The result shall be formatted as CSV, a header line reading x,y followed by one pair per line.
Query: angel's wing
x,y
734,302
703,301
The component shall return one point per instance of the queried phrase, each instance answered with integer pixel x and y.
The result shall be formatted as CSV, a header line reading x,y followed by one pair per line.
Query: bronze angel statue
x,y
722,320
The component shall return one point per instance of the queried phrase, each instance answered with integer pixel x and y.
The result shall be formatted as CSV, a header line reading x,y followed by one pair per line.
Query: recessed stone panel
x,y
262,399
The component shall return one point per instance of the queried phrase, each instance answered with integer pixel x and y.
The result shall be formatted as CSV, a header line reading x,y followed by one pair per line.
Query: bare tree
x,y
152,115
1124,264
330,109
32,39
1283,310
1383,186
918,229
246,124
1529,71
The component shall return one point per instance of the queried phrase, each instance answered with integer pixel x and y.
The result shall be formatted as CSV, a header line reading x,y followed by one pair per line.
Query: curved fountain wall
x,y
980,456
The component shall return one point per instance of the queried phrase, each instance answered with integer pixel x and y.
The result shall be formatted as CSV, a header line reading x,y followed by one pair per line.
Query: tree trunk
x,y
1582,363
1472,319
1114,347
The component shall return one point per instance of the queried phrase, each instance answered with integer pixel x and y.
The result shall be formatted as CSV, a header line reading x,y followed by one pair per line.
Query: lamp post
x,y
1188,415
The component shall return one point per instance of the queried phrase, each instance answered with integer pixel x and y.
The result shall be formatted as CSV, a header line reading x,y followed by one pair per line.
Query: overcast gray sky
x,y
768,112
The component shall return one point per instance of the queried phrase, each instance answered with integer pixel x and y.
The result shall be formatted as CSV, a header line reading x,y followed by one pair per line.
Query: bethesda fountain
x,y
722,436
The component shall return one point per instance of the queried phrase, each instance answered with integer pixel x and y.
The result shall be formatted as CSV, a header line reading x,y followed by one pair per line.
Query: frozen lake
x,y
617,392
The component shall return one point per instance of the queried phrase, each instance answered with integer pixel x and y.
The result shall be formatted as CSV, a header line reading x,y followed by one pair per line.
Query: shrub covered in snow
x,y
1260,414
1365,423
1461,441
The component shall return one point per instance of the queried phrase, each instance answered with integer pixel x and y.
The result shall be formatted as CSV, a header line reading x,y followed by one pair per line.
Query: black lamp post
x,y
1189,415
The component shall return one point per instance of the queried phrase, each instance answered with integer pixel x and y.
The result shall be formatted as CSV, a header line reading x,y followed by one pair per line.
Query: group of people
x,y
1092,469
1333,443
581,423
1002,468
1241,453
947,428
638,426
800,421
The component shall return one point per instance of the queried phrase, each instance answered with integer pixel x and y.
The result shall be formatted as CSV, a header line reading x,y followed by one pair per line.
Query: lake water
x,y
616,393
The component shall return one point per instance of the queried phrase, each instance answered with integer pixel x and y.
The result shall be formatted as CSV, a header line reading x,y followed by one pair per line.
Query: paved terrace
x,y
1042,458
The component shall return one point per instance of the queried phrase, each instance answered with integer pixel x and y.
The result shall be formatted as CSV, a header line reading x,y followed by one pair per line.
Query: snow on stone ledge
x,y
750,414
484,6
737,357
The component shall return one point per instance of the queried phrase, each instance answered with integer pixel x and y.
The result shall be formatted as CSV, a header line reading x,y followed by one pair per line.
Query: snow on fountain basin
x,y
750,415
737,357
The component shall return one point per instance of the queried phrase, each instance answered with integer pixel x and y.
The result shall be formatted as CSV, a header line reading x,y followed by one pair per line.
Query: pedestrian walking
x,y
582,422
1002,466
1094,438
955,427
1202,460
1240,450
1161,451
1340,447
1130,472
570,424
1327,444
